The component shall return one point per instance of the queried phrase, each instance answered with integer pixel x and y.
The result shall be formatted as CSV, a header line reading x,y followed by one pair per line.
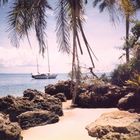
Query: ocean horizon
x,y
15,83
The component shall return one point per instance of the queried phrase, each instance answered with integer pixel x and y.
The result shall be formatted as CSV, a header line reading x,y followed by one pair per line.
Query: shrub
x,y
125,72
104,77
135,81
121,74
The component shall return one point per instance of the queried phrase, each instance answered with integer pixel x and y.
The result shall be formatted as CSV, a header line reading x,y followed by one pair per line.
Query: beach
x,y
71,125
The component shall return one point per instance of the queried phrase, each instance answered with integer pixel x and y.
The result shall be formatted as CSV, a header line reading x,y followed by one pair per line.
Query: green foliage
x,y
92,81
121,74
25,15
97,82
136,29
104,78
135,64
127,71
135,81
135,61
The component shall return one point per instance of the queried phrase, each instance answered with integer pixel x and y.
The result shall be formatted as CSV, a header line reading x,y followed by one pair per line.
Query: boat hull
x,y
44,76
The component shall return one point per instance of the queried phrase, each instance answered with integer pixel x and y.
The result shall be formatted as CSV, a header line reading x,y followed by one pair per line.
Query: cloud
x,y
1,65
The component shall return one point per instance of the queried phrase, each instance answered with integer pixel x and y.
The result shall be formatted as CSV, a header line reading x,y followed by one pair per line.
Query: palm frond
x,y
96,2
120,57
26,15
127,7
20,21
110,6
39,16
76,17
63,27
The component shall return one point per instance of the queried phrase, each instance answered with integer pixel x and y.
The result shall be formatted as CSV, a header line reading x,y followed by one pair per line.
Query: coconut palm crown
x,y
125,7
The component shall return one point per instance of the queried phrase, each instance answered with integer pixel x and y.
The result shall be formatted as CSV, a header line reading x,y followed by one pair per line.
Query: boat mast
x,y
48,59
37,65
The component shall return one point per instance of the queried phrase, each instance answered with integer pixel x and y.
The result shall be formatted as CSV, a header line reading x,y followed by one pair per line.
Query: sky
x,y
104,37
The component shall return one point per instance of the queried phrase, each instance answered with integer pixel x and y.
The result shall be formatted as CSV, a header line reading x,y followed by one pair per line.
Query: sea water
x,y
15,84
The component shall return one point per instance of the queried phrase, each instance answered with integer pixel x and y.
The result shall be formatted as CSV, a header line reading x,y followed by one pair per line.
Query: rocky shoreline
x,y
36,108
33,109
101,95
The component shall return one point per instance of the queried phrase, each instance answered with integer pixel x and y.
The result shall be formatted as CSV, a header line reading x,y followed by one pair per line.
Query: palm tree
x,y
127,7
70,18
31,14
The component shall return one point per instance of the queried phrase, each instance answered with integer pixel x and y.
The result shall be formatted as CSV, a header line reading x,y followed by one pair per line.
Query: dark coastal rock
x,y
100,96
118,125
99,89
14,106
61,96
31,94
130,102
35,118
49,103
60,87
33,100
8,130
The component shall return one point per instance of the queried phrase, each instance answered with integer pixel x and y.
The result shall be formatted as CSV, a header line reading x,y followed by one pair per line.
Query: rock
x,y
99,89
61,96
100,97
84,99
35,118
31,94
60,87
8,130
14,106
130,101
51,89
118,125
49,103
33,100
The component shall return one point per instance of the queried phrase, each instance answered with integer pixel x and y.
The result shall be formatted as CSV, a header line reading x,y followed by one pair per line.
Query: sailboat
x,y
42,75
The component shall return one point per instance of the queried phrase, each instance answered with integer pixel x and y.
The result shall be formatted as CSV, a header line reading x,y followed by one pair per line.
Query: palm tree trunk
x,y
127,38
73,90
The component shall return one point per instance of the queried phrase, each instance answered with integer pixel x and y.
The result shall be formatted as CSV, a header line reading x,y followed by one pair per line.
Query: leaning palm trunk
x,y
70,18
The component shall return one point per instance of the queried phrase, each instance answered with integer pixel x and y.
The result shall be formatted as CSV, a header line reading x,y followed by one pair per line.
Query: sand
x,y
70,127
